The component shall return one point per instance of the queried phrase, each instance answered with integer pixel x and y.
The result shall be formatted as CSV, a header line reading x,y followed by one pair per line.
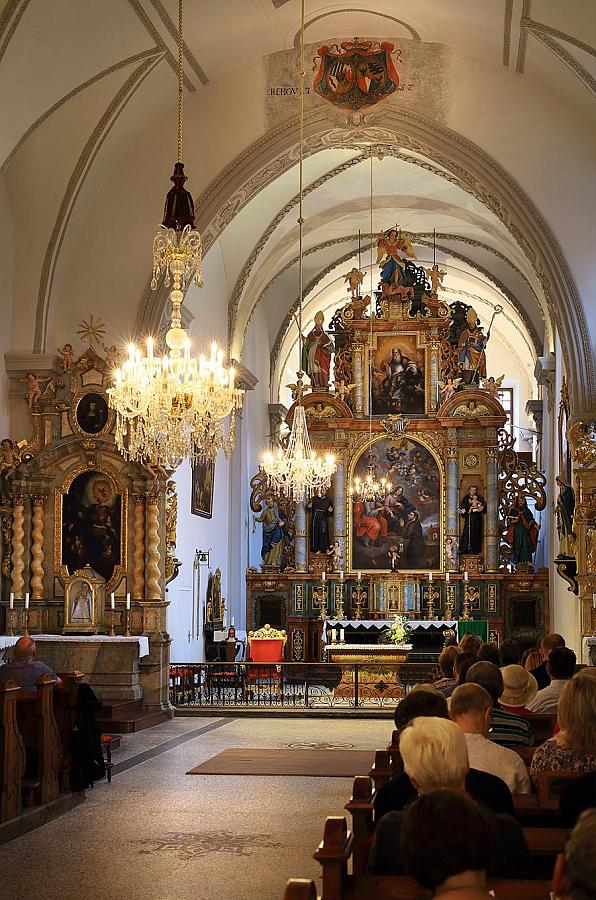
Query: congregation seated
x,y
446,663
510,652
573,749
560,667
574,877
463,662
483,787
490,653
446,845
506,728
25,668
520,688
549,642
435,756
471,708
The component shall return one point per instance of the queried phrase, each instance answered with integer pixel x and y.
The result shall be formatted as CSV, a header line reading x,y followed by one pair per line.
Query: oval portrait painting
x,y
92,413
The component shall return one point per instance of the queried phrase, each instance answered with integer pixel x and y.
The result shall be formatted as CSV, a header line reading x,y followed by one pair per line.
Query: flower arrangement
x,y
399,631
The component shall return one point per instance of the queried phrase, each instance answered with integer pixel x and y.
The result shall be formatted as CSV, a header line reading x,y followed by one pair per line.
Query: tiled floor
x,y
158,834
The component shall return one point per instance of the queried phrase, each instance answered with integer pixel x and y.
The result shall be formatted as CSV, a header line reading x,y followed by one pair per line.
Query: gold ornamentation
x,y
172,564
92,331
267,633
37,554
138,572
298,645
18,548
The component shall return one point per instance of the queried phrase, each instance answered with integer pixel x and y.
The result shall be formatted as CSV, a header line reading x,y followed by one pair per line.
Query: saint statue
x,y
82,607
316,355
392,249
320,510
472,508
522,532
272,520
565,509
471,349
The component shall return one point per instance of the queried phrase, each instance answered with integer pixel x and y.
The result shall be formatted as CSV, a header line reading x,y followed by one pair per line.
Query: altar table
x,y
381,624
370,669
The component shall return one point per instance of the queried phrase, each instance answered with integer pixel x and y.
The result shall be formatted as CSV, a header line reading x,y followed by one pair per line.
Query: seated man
x,y
549,642
25,669
446,661
399,791
435,756
560,667
574,877
471,708
506,728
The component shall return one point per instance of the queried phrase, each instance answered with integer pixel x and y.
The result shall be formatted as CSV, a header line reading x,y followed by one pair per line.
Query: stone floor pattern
x,y
157,834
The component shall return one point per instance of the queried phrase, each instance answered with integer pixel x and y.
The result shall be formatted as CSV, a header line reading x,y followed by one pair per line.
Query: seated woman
x,y
519,688
446,843
573,749
463,662
446,663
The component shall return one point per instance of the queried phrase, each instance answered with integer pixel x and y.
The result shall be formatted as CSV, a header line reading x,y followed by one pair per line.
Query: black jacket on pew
x,y
484,788
87,757
541,676
511,857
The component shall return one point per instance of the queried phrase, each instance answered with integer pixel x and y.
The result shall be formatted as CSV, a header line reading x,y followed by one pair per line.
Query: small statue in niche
x,y
354,278
67,356
82,607
450,554
316,355
565,509
320,510
472,508
272,519
394,557
522,532
334,557
435,276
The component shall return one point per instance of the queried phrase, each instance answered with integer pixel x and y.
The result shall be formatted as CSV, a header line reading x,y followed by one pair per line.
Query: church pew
x,y
65,712
336,848
543,726
12,753
381,771
37,724
384,887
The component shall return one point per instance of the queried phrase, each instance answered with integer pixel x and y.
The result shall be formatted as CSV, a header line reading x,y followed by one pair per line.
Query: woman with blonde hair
x,y
573,749
532,660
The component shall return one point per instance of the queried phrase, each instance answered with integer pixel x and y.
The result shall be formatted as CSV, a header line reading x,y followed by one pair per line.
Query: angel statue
x,y
448,388
343,390
435,276
67,356
298,390
392,248
354,278
493,385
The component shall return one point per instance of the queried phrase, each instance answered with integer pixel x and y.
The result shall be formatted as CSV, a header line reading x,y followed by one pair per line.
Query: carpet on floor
x,y
313,763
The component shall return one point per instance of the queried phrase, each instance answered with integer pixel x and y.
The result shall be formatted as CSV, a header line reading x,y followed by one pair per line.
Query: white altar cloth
x,y
141,639
379,624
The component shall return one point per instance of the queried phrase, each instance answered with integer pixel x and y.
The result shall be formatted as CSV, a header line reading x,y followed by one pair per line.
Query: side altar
x,y
431,512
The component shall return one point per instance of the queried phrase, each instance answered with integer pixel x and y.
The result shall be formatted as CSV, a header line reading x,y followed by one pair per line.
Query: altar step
x,y
128,717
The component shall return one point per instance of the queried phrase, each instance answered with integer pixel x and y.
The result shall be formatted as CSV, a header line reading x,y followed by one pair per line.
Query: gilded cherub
x,y
435,276
10,457
67,356
298,390
34,383
449,387
343,390
493,385
354,278
112,356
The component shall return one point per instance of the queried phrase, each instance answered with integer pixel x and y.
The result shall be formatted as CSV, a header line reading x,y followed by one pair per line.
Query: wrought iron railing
x,y
293,685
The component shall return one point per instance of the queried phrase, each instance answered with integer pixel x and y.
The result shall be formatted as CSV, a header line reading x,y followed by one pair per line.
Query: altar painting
x,y
91,525
404,529
398,376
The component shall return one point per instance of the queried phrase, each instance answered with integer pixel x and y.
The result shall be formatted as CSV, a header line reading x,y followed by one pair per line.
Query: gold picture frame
x,y
84,602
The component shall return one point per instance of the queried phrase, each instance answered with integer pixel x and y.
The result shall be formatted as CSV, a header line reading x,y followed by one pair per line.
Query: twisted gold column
x,y
152,589
138,572
18,548
37,554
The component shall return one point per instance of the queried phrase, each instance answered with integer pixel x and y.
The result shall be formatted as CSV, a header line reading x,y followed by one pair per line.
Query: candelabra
x,y
26,628
359,597
466,614
320,594
127,623
432,595
450,602
339,600
112,632
10,622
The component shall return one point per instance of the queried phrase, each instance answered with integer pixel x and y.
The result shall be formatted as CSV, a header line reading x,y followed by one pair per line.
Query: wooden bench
x,y
37,724
543,725
383,887
12,753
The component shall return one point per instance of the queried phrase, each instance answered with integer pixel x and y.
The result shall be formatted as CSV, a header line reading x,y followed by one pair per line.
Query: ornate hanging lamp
x,y
370,487
297,472
175,406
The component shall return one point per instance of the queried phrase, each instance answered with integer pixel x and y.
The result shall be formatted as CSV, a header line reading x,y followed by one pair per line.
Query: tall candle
x,y
27,601
430,576
341,574
342,635
323,575
465,576
359,576
446,576
113,602
128,601
11,600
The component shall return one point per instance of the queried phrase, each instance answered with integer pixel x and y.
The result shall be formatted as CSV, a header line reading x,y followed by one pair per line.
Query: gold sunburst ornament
x,y
92,331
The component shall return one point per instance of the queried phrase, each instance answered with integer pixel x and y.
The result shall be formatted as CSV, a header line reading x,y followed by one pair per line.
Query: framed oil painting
x,y
92,413
203,481
398,376
403,531
91,525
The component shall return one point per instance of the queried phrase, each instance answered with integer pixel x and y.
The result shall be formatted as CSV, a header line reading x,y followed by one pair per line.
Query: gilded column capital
x,y
492,452
17,500
451,452
39,499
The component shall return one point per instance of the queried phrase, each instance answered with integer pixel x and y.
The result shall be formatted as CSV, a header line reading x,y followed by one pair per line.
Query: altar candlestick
x,y
333,635
128,601
465,576
341,574
359,576
11,600
323,575
113,602
27,601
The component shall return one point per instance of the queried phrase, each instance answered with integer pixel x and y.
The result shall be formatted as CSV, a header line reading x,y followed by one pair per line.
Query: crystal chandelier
x,y
370,487
174,407
297,472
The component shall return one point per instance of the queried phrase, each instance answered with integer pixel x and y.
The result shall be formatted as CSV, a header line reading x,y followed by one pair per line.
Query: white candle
x,y
342,634
465,576
359,576
113,602
11,600
27,601
232,621
333,635
594,600
446,576
323,575
341,574
430,576
128,601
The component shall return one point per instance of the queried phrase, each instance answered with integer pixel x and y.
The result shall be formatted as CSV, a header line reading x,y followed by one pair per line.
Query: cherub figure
x,y
448,388
343,390
112,356
154,469
298,390
67,355
354,278
493,385
334,557
435,276
10,457
34,384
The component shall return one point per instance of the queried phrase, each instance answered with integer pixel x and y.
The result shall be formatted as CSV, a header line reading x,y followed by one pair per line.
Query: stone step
x,y
113,709
134,721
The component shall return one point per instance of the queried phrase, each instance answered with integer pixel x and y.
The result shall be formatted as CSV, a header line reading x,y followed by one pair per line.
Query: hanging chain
x,y
300,191
371,304
180,80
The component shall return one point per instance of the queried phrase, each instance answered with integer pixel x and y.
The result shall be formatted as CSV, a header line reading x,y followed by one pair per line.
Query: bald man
x,y
25,668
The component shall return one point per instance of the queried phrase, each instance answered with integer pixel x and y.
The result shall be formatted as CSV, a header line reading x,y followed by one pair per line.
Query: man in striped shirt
x,y
506,728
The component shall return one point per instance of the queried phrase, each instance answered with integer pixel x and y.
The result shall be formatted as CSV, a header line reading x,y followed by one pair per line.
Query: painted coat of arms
x,y
356,74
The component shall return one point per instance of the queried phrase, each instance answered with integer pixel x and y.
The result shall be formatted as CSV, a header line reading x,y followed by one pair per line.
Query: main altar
x,y
445,531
